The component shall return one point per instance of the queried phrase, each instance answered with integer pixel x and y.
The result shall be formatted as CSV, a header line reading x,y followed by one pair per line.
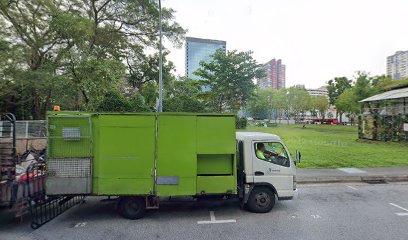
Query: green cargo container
x,y
165,154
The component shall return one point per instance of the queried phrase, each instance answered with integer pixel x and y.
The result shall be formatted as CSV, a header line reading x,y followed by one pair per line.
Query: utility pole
x,y
160,108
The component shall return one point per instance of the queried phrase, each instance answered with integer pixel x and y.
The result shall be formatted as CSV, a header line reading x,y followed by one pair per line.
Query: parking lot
x,y
330,211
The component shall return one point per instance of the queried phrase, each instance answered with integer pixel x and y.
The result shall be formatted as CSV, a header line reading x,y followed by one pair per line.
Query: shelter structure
x,y
384,116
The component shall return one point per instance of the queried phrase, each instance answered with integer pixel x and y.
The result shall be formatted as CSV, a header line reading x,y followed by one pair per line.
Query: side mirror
x,y
298,155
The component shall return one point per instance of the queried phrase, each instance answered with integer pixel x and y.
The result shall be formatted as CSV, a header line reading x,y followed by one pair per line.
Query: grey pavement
x,y
384,174
319,211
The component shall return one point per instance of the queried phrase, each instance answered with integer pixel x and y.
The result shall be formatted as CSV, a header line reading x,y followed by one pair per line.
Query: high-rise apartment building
x,y
198,50
397,65
275,75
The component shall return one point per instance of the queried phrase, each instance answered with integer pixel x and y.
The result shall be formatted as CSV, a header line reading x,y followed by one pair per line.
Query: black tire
x,y
132,207
261,200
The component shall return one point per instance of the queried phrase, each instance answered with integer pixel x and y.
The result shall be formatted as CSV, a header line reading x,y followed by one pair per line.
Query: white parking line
x,y
400,214
395,205
81,224
352,188
212,217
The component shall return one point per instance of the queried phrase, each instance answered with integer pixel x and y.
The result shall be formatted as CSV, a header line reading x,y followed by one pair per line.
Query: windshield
x,y
272,152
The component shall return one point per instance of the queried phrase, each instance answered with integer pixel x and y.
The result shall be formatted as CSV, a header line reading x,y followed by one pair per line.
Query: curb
x,y
351,179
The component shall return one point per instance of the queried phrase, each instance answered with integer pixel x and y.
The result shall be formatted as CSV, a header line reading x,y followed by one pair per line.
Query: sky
x,y
317,40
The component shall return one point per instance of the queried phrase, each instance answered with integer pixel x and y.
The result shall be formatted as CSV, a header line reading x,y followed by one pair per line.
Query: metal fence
x,y
26,129
29,129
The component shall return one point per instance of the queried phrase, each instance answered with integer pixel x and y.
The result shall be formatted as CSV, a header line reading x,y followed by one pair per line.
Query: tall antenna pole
x,y
160,62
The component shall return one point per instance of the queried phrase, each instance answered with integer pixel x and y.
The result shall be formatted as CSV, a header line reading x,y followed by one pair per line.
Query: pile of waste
x,y
27,159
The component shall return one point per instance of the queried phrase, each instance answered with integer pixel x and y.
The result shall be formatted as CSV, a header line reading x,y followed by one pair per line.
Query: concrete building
x,y
321,91
198,50
275,75
397,65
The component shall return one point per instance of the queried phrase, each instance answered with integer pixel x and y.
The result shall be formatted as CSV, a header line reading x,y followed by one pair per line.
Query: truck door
x,y
271,164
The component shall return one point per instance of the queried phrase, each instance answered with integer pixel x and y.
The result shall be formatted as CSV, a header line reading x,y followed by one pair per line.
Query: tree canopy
x,y
230,77
73,53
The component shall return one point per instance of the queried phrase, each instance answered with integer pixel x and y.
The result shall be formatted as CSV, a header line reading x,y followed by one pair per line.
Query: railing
x,y
7,148
25,129
31,129
44,208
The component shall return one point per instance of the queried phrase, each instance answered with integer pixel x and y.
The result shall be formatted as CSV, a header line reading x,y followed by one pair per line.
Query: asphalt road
x,y
336,211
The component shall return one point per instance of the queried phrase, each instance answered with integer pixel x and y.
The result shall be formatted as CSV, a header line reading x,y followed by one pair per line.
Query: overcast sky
x,y
316,39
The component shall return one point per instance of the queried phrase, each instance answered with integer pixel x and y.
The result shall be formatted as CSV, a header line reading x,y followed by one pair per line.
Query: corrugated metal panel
x,y
398,93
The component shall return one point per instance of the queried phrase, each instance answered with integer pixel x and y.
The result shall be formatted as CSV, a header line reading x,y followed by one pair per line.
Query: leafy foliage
x,y
348,102
72,53
184,95
282,103
230,77
241,122
262,104
336,87
114,101
321,104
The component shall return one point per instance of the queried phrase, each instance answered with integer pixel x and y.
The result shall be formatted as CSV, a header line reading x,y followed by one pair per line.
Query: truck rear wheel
x,y
261,200
132,207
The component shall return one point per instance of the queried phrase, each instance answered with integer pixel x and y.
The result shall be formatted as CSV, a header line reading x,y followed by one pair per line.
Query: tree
x,y
335,88
27,72
298,101
279,100
262,104
183,95
381,82
230,77
384,83
321,104
73,52
363,87
144,69
114,101
348,102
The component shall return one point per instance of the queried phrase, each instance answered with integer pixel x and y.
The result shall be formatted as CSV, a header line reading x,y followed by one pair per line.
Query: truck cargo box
x,y
165,154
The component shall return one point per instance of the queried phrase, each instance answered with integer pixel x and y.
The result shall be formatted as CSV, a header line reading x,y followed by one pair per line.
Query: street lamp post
x,y
160,107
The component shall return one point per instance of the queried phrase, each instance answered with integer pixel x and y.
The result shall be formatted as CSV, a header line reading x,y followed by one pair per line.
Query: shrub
x,y
240,122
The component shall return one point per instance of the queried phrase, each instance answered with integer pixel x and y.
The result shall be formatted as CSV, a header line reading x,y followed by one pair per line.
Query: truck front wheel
x,y
132,207
261,200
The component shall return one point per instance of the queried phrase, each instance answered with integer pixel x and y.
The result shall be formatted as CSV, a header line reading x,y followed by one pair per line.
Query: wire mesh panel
x,y
70,167
69,154
31,129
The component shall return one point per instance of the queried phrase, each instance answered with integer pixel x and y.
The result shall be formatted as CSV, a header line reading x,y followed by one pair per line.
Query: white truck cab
x,y
265,169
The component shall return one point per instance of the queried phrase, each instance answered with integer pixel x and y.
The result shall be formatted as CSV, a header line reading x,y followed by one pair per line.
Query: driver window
x,y
273,152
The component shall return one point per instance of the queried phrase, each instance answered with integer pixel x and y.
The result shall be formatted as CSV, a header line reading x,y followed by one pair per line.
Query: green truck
x,y
142,157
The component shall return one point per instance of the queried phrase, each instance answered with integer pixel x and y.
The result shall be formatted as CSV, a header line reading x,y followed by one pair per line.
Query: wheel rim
x,y
262,199
133,206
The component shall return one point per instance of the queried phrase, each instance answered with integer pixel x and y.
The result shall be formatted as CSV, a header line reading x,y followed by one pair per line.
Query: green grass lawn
x,y
325,146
